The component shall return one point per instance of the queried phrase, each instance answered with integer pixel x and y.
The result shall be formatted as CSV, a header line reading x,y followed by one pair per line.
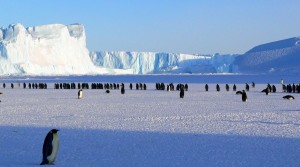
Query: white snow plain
x,y
151,127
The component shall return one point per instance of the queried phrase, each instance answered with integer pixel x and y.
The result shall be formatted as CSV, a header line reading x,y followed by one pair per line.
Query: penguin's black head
x,y
54,130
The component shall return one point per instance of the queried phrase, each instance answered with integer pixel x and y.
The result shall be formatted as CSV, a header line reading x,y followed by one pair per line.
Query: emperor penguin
x,y
289,97
244,96
122,90
181,94
50,147
80,94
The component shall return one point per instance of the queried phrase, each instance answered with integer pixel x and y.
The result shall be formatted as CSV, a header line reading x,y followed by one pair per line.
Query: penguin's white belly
x,y
55,145
80,95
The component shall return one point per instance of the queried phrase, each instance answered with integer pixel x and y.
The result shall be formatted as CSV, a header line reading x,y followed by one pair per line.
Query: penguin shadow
x,y
96,147
52,98
23,146
262,122
291,110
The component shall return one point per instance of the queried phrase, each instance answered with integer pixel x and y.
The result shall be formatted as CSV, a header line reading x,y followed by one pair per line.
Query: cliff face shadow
x,y
22,146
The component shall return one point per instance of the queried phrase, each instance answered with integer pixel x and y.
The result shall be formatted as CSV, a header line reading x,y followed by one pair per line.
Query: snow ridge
x,y
275,57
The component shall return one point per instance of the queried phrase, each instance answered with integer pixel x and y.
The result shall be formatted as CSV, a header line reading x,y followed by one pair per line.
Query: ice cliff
x,y
44,50
157,63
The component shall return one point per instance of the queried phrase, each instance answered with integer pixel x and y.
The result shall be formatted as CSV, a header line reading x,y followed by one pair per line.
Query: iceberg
x,y
54,49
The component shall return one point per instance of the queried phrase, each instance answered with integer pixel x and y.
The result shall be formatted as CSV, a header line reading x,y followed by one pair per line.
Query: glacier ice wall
x,y
156,63
44,50
58,49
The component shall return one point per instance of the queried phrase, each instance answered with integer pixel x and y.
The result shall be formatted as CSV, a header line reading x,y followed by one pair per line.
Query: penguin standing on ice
x,y
80,94
50,147
234,87
244,96
122,90
181,94
218,88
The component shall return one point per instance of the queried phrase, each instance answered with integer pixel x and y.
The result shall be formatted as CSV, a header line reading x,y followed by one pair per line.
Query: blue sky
x,y
178,26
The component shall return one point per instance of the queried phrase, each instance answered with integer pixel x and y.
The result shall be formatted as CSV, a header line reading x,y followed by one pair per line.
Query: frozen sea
x,y
152,127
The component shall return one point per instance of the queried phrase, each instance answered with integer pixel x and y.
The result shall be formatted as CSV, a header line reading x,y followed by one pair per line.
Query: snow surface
x,y
151,127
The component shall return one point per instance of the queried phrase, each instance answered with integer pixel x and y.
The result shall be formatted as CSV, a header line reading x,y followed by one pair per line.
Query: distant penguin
x,y
267,91
227,87
206,87
234,87
80,94
218,88
244,96
107,91
289,97
253,85
1,93
181,94
50,147
122,90
274,88
247,87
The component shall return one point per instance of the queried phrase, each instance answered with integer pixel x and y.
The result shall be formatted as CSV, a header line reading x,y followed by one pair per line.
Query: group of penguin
x,y
180,87
30,85
273,89
80,92
51,142
247,87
